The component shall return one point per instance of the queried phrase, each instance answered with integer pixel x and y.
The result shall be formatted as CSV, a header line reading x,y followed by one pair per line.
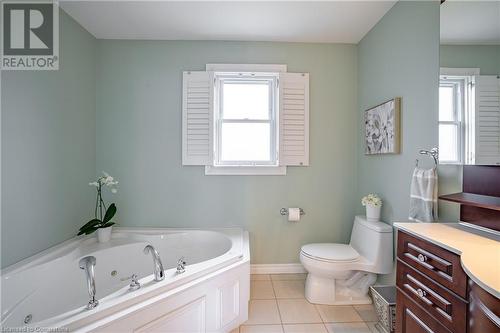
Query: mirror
x,y
469,84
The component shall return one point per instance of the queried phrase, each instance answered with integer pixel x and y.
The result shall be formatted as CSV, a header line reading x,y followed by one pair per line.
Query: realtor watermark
x,y
30,35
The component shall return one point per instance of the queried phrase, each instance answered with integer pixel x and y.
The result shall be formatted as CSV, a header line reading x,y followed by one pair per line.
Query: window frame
x,y
269,79
459,90
241,169
466,144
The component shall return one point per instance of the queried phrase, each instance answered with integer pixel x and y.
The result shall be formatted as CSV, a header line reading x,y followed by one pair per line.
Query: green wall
x,y
485,57
48,148
399,58
139,91
116,106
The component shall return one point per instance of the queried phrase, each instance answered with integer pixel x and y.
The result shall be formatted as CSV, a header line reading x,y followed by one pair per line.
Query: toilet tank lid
x,y
374,225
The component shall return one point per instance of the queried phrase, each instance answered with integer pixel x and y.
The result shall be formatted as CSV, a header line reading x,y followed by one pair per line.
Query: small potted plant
x,y
103,215
373,204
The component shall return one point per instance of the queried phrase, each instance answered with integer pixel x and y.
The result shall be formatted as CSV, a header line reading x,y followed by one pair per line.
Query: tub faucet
x,y
88,264
158,266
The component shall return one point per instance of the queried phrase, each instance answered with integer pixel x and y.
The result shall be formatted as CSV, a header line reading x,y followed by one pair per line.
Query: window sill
x,y
245,170
450,163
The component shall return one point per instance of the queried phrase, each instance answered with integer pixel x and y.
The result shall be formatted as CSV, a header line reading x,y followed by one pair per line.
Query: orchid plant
x,y
371,199
103,214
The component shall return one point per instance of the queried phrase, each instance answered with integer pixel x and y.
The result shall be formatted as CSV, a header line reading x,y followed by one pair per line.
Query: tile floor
x,y
277,305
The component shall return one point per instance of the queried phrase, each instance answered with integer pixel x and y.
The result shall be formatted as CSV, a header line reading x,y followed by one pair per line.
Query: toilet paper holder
x,y
284,211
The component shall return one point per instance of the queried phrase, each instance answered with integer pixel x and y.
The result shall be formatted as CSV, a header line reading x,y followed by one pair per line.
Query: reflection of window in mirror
x,y
456,116
469,105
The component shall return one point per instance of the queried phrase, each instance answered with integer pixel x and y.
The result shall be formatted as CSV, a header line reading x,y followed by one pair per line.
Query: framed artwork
x,y
382,128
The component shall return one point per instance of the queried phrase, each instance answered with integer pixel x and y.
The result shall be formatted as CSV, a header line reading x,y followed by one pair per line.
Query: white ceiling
x,y
470,22
291,21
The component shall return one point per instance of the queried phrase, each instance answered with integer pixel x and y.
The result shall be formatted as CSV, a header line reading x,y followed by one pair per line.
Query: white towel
x,y
424,195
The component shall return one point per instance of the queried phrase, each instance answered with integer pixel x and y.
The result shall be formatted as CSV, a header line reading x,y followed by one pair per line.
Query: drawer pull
x,y
421,293
415,292
422,258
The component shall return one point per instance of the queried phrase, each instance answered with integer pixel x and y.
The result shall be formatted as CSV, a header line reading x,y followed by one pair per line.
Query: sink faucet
x,y
158,266
88,264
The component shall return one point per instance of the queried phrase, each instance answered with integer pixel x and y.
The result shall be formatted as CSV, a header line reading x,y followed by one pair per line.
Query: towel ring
x,y
434,153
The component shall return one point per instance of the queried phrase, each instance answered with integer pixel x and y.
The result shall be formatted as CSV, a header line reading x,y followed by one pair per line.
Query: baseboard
x,y
277,268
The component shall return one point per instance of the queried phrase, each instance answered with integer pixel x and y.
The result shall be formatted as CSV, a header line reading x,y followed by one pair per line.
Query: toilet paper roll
x,y
294,214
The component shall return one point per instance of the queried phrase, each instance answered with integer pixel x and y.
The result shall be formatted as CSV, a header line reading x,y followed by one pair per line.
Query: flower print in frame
x,y
382,128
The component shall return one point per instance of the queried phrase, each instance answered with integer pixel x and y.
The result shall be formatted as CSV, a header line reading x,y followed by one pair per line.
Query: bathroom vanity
x,y
448,279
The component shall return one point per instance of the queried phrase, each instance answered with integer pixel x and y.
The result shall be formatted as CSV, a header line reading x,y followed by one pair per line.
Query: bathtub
x,y
49,290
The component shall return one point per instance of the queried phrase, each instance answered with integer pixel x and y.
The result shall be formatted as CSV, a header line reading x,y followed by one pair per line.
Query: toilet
x,y
341,274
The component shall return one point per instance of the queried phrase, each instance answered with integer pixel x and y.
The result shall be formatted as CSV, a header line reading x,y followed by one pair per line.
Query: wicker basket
x,y
384,300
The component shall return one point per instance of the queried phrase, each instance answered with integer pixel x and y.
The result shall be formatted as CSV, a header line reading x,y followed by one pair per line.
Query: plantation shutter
x,y
487,119
197,118
294,119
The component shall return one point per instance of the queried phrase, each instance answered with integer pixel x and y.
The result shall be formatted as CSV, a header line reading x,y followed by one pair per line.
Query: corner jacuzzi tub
x,y
49,290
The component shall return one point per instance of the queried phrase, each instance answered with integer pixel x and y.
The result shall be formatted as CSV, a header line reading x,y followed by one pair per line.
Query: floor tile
x,y
261,290
347,328
367,312
298,311
256,277
338,313
289,288
263,312
280,277
373,328
261,329
305,328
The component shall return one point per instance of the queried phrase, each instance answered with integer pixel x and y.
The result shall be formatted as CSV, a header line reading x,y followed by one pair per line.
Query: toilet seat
x,y
330,252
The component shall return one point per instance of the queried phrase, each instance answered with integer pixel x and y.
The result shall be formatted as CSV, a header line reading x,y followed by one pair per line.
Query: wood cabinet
x,y
435,295
410,318
432,261
484,311
449,309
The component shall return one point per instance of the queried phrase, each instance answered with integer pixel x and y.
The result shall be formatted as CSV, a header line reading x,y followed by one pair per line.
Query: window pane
x,y
245,142
446,104
246,100
448,140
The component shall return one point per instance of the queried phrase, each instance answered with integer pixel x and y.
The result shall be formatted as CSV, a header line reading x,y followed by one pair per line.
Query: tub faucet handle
x,y
134,284
181,265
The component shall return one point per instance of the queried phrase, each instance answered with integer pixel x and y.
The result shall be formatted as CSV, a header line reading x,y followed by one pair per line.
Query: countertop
x,y
479,250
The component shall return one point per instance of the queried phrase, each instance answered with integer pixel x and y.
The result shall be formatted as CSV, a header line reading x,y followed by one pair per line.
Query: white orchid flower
x,y
105,180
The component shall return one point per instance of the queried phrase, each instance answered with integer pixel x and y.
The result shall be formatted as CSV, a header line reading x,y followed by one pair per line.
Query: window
x,y
245,119
455,118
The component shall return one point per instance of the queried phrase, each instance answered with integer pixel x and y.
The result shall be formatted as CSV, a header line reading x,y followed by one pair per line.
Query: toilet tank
x,y
373,240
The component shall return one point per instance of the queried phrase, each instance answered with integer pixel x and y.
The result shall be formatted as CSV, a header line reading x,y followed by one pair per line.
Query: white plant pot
x,y
373,212
104,234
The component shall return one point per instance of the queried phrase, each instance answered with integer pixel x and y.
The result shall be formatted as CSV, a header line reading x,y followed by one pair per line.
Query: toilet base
x,y
322,290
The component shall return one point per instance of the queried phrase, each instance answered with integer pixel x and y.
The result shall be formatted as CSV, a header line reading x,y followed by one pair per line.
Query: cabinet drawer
x,y
439,264
443,305
410,318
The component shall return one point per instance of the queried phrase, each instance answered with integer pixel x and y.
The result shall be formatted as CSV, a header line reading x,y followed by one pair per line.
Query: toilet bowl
x,y
340,274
